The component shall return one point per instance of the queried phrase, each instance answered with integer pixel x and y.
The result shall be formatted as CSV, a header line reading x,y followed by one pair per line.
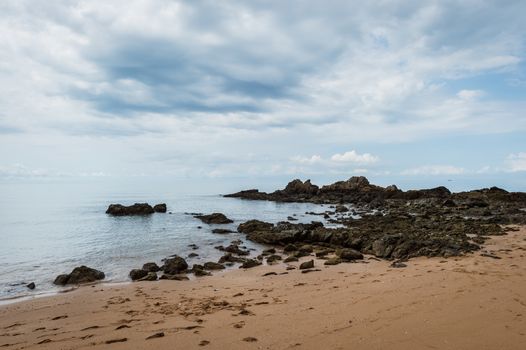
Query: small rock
x,y
151,267
137,274
332,261
159,208
156,335
213,266
290,259
307,265
31,285
249,263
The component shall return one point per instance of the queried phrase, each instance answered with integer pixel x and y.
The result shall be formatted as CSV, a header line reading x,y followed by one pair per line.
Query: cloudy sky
x,y
219,89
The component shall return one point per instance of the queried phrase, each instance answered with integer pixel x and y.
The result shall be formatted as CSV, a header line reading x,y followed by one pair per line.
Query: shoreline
x,y
468,302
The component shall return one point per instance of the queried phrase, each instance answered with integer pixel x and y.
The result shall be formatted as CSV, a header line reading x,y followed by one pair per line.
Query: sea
x,y
49,227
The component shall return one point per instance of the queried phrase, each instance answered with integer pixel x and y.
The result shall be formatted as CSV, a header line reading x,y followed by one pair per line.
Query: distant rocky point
x,y
135,209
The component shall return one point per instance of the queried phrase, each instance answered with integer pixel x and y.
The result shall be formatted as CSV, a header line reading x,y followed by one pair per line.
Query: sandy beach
x,y
471,302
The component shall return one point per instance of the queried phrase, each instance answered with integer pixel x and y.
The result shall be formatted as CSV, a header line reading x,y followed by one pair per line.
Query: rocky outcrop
x,y
136,209
137,274
253,226
151,267
214,218
82,274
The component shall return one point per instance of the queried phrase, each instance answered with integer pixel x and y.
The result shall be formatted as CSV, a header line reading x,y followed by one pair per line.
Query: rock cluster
x,y
135,209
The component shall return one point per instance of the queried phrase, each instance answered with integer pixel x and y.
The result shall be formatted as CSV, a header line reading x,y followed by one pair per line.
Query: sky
x,y
413,92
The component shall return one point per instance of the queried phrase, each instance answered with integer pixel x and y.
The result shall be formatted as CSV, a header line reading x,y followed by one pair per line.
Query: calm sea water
x,y
49,228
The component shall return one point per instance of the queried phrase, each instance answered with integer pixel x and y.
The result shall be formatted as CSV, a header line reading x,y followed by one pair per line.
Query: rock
x,y
136,209
397,264
214,218
291,218
159,208
249,263
290,259
298,187
31,285
269,251
290,248
82,274
221,231
61,280
199,271
137,274
175,265
253,226
350,254
449,203
150,276
332,261
174,277
234,249
341,209
273,258
307,265
231,259
193,255
151,267
213,266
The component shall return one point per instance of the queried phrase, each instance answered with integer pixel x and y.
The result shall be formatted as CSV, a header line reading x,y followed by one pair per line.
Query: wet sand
x,y
471,302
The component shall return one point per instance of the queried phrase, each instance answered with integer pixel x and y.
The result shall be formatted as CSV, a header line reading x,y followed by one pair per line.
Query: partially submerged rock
x,y
82,274
159,208
135,209
137,274
151,267
214,218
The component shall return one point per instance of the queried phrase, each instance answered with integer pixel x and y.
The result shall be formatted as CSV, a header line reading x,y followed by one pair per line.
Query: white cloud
x,y
354,157
517,162
307,160
470,94
434,170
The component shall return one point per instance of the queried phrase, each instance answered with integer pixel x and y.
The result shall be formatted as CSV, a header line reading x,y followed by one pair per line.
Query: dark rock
x,y
254,226
341,209
199,271
174,277
150,276
151,267
249,263
31,285
349,254
221,231
296,187
398,264
136,209
231,259
175,265
290,248
213,266
214,218
137,274
332,261
273,258
307,265
159,208
234,249
193,255
269,251
82,274
290,259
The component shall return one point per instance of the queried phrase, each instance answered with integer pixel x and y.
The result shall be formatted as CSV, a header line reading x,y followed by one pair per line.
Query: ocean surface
x,y
48,228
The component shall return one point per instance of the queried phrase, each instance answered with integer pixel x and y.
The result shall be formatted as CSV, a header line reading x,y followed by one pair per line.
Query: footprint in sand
x,y
250,339
204,342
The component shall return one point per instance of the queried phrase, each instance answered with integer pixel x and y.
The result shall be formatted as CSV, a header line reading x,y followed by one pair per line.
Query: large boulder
x,y
214,218
159,208
82,274
136,209
137,274
151,267
174,265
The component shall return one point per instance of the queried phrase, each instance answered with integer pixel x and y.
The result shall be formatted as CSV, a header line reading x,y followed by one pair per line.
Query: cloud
x,y
267,78
470,94
434,170
354,157
517,162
